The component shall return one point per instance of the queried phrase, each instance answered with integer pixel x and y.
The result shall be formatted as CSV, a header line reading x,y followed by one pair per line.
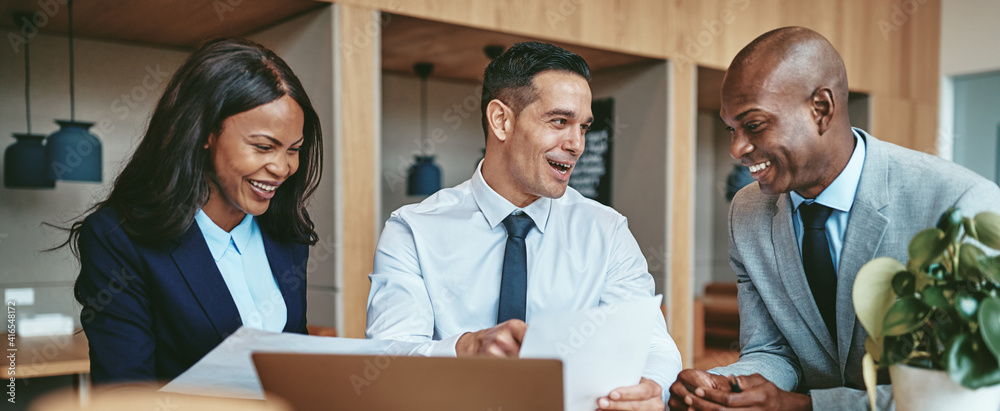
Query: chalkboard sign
x,y
592,174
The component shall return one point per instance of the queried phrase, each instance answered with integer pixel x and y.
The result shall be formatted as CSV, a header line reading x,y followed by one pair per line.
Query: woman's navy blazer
x,y
151,311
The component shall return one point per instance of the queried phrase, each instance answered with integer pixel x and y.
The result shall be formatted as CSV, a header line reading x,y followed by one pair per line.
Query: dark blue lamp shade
x,y
737,179
24,163
424,177
73,153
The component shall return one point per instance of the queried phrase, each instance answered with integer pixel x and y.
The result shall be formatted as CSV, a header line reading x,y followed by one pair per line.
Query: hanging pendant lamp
x,y
424,177
73,153
24,161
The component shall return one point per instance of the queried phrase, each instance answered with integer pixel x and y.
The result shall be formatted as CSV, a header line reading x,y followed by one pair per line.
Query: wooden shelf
x,y
182,23
457,51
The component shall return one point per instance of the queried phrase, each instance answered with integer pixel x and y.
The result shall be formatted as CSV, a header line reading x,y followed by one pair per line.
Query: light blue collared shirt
x,y
438,267
839,196
241,259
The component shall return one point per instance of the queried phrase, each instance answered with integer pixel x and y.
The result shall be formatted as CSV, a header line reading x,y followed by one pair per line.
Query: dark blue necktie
x,y
514,284
818,263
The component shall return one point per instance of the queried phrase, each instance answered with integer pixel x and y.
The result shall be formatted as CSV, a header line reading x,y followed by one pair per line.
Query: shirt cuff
x,y
445,347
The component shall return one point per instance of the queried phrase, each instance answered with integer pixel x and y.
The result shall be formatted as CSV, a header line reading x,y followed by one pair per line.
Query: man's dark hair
x,y
508,77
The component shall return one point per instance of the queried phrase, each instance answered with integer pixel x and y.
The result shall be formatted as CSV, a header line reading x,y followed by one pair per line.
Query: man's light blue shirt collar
x,y
839,195
496,208
218,239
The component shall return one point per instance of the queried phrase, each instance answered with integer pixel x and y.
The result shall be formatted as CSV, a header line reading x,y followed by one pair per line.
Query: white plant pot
x,y
916,389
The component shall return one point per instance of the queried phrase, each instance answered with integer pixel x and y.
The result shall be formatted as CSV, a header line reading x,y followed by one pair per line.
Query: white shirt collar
x,y
496,208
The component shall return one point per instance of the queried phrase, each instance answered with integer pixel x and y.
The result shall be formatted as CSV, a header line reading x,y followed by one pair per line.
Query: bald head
x,y
784,101
790,59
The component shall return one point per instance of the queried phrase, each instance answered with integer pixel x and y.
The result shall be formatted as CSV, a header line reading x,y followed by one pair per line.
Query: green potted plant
x,y
935,322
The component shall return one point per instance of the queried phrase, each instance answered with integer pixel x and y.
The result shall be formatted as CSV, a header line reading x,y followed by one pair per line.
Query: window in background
x,y
977,123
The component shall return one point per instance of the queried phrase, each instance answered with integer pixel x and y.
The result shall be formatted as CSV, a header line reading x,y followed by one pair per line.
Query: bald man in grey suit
x,y
784,99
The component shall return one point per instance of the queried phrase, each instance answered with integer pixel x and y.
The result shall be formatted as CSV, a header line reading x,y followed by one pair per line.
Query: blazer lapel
x,y
279,257
202,275
786,254
866,227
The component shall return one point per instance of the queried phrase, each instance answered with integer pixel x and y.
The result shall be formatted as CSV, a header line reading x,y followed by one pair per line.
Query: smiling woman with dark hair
x,y
206,227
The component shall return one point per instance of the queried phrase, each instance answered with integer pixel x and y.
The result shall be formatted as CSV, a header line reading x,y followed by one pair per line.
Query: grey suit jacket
x,y
782,335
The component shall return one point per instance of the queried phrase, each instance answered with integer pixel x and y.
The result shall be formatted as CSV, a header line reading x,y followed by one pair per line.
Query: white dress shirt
x,y
439,263
242,260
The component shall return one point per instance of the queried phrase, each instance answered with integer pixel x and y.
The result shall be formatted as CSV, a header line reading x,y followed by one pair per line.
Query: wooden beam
x,y
358,104
681,112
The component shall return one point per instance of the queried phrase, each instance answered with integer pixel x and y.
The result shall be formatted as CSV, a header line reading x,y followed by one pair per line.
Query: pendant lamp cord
x,y
423,114
72,99
27,84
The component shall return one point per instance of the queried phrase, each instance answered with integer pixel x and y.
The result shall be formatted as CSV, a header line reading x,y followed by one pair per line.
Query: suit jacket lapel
x,y
202,275
866,227
279,257
786,254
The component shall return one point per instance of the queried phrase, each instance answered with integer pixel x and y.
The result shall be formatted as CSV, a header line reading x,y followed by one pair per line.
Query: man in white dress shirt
x,y
460,272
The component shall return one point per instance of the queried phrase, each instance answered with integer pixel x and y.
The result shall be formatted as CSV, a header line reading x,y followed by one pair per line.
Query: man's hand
x,y
757,393
503,340
690,380
647,395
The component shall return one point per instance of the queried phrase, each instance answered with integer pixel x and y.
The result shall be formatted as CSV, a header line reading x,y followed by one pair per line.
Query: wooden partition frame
x,y
891,54
357,106
682,90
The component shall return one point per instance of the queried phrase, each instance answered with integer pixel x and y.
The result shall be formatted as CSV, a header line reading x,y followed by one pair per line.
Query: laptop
x,y
369,382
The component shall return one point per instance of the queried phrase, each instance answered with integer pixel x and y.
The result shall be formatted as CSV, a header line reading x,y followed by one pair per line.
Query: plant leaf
x,y
873,347
989,324
946,324
988,229
896,349
990,267
950,223
872,293
870,374
934,296
970,227
904,316
926,247
970,259
904,283
967,306
970,363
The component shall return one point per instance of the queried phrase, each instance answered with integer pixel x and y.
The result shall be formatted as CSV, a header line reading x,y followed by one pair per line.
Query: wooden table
x,y
49,356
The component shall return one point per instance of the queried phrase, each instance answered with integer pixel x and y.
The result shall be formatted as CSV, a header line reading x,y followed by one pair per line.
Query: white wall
x,y
977,123
967,27
968,30
713,166
105,72
639,175
454,131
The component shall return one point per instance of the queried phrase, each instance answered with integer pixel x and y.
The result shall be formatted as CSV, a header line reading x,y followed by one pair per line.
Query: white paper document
x,y
601,349
228,369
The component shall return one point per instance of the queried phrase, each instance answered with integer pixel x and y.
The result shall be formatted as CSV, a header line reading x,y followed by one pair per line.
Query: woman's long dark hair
x,y
167,180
